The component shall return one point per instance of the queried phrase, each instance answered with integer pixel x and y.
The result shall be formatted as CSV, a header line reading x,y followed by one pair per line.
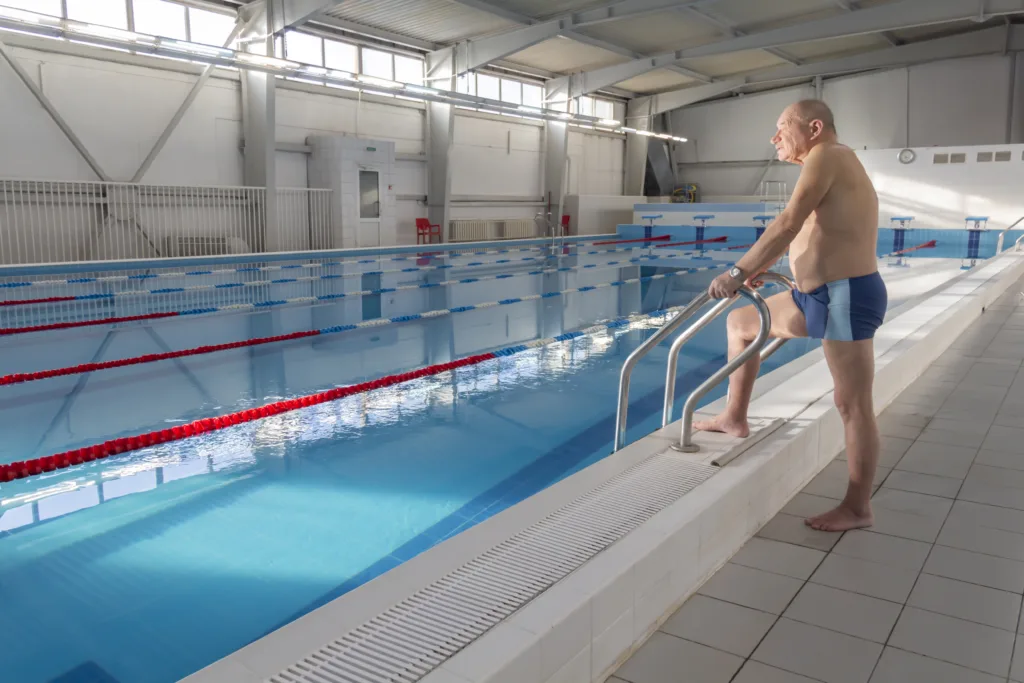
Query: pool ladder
x,y
759,345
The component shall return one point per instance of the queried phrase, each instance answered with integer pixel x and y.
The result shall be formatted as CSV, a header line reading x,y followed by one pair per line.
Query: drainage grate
x,y
414,637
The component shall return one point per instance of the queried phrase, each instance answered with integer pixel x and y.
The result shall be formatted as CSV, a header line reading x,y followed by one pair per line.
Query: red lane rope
x,y
47,300
926,245
682,244
659,238
28,468
739,246
22,377
86,323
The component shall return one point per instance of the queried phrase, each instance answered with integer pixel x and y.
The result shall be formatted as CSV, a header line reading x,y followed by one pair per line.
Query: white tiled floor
x,y
931,593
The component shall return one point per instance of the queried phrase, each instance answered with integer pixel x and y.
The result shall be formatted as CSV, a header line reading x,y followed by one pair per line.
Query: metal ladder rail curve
x,y
1002,236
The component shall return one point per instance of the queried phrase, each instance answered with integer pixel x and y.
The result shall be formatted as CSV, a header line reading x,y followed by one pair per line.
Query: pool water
x,y
145,567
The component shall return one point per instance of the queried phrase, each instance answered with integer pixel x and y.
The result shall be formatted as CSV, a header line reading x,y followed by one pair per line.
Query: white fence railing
x,y
61,221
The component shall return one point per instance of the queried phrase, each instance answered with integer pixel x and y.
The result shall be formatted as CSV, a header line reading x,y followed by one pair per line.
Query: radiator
x,y
195,246
469,231
520,228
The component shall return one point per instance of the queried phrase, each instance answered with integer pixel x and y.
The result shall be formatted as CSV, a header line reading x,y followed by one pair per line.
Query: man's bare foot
x,y
841,518
725,425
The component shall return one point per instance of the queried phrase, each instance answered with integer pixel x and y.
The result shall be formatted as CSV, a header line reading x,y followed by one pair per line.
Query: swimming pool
x,y
149,565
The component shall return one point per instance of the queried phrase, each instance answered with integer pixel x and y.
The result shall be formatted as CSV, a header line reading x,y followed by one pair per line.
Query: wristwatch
x,y
737,274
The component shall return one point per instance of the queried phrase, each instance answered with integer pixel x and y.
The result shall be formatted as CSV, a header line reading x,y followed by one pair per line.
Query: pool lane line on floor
x,y
270,269
27,468
21,378
316,278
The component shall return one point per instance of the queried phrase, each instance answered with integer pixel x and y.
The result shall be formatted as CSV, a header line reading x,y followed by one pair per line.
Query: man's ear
x,y
817,128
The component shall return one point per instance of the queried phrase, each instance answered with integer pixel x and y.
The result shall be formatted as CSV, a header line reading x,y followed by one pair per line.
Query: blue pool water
x,y
148,566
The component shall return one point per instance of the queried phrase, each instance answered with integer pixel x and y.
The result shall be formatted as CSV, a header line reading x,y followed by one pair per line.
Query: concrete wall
x,y
120,104
955,102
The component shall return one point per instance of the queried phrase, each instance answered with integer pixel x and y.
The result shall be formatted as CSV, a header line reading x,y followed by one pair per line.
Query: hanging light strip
x,y
41,25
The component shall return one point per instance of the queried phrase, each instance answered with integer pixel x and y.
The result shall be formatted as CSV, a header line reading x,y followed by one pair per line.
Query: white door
x,y
369,208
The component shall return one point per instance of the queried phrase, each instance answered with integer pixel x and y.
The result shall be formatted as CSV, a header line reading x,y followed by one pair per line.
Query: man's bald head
x,y
815,110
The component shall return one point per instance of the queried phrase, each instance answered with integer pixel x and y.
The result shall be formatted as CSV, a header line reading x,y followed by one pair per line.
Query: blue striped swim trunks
x,y
844,310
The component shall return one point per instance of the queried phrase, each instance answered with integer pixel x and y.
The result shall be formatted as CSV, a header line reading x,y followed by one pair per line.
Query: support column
x,y
440,132
638,115
819,88
259,130
556,160
1015,122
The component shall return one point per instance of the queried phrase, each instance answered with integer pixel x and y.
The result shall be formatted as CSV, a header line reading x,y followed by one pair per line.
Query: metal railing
x,y
45,221
758,345
1019,244
1002,235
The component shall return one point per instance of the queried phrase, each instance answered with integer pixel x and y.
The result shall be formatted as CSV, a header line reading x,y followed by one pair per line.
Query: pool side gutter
x,y
584,626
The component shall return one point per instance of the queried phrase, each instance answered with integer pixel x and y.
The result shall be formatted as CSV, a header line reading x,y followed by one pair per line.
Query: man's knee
x,y
853,405
743,323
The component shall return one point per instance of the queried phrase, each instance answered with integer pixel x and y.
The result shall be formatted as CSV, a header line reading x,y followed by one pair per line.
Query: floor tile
x,y
988,516
1008,439
849,613
1017,666
984,570
663,657
985,540
992,494
906,525
756,672
967,601
915,503
1005,459
751,588
943,460
867,578
791,529
954,438
954,640
898,666
818,653
894,425
722,625
779,558
996,476
804,505
928,484
888,550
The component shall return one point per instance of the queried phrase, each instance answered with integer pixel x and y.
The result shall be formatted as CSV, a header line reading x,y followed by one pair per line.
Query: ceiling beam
x,y
668,101
853,6
371,32
285,14
729,29
901,14
996,40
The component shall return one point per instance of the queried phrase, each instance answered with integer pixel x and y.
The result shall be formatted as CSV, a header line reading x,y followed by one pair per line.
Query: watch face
x,y
736,273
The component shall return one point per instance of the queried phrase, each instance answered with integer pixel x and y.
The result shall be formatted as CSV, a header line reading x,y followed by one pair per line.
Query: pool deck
x,y
931,593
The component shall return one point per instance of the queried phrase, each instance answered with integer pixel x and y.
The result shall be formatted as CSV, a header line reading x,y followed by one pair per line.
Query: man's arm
x,y
816,178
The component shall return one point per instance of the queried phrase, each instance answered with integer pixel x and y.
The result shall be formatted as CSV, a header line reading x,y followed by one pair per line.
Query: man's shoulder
x,y
830,151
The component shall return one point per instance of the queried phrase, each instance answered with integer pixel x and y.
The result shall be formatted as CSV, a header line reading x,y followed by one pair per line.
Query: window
x,y
984,156
408,70
488,86
209,28
604,109
369,194
112,13
1003,156
378,64
511,91
533,95
51,7
585,106
304,48
160,18
341,56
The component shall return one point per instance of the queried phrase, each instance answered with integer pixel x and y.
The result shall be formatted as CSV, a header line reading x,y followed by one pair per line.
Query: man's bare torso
x,y
839,238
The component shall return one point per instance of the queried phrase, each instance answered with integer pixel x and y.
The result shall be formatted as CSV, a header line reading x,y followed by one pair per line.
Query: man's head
x,y
801,127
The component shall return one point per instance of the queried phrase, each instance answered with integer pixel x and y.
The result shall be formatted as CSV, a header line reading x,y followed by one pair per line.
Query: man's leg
x,y
853,370
787,323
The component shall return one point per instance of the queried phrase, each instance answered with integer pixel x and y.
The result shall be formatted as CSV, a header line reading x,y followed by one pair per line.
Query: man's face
x,y
793,138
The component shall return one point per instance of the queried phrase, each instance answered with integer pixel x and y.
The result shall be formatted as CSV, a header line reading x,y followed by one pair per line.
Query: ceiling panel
x,y
438,21
750,13
939,30
545,8
563,54
660,32
835,46
655,81
733,63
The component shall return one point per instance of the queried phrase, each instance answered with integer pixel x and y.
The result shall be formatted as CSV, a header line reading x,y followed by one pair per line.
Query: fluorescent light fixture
x,y
645,132
530,110
314,70
345,75
681,140
565,115
610,122
379,82
419,89
265,61
195,48
108,32
625,129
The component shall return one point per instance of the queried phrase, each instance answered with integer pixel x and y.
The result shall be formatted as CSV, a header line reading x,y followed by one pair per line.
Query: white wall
x,y
120,109
954,102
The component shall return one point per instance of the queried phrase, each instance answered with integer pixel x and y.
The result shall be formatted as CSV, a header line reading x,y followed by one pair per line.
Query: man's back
x,y
839,238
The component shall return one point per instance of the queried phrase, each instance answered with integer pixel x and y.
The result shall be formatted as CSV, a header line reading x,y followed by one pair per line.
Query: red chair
x,y
565,224
425,231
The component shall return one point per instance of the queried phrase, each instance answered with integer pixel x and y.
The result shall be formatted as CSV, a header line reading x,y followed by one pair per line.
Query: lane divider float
x,y
27,468
23,377
659,238
713,240
927,245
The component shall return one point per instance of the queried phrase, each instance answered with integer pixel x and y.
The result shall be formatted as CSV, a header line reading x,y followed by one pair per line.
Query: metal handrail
x,y
1002,236
1019,243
